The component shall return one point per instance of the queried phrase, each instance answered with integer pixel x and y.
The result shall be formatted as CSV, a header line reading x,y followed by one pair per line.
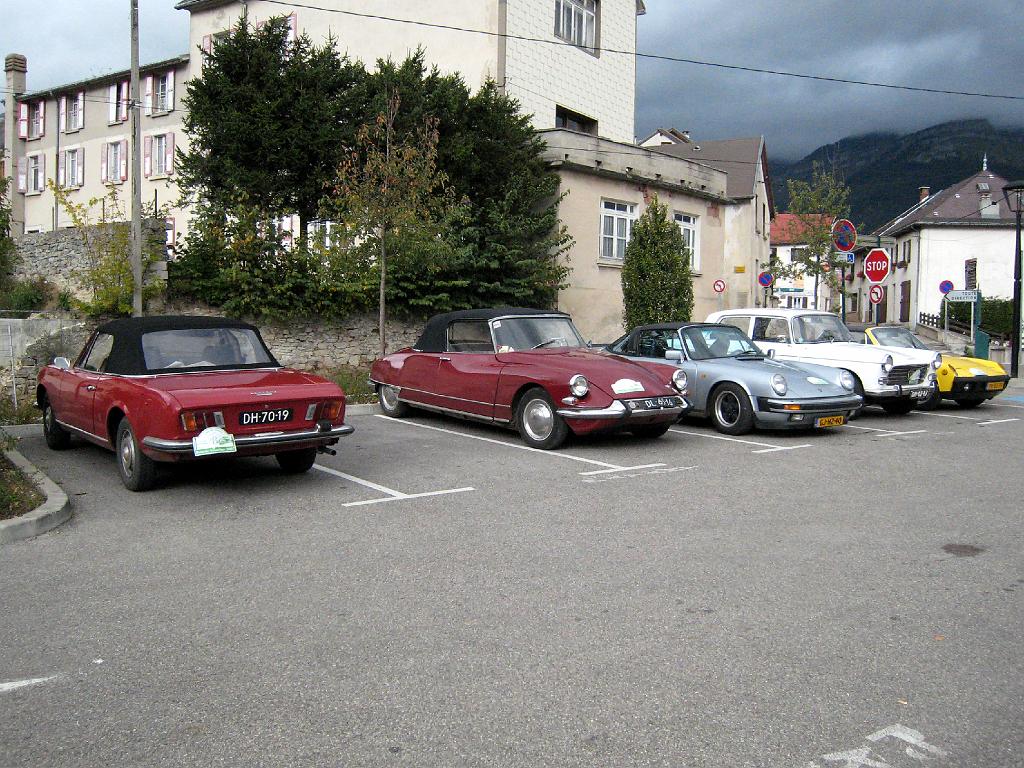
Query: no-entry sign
x,y
719,286
876,265
876,294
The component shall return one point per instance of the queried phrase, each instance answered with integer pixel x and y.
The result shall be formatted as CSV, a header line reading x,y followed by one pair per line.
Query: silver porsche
x,y
737,386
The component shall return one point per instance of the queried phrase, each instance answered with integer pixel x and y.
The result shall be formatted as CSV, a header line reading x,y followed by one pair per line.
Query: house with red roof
x,y
788,239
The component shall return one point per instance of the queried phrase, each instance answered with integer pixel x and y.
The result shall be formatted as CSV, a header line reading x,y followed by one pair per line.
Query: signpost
x,y
876,294
844,235
876,265
971,296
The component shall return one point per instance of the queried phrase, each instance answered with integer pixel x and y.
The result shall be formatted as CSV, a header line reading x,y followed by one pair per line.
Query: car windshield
x,y
711,341
897,337
203,348
816,329
513,334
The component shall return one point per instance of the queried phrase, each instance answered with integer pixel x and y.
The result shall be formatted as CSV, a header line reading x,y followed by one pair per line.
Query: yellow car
x,y
968,381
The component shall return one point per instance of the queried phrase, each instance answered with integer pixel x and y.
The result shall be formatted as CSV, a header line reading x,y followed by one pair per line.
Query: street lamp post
x,y
1014,194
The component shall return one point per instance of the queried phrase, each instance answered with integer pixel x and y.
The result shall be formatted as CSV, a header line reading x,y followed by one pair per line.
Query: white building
x,y
787,242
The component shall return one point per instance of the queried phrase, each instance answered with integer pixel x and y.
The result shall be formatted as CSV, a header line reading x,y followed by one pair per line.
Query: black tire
x,y
651,431
730,409
858,389
296,462
389,402
899,408
970,402
932,402
538,423
57,438
137,470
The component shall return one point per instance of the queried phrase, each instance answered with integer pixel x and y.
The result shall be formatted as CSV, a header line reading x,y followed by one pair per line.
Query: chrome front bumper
x,y
814,406
256,441
885,391
621,409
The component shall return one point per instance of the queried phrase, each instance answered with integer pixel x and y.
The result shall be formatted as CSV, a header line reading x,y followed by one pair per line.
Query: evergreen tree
x,y
656,283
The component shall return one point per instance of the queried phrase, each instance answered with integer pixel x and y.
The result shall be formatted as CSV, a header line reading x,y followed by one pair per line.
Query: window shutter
x,y
42,118
112,104
124,160
61,169
23,120
122,112
62,119
42,173
169,227
207,44
81,167
147,156
170,91
147,99
22,174
169,161
293,28
104,154
81,109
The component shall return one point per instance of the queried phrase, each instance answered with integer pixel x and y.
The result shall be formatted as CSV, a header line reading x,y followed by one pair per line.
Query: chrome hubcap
x,y
538,419
48,418
389,397
727,408
128,454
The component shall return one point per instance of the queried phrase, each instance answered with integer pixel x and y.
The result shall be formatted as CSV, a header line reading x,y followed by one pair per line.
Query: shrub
x,y
25,295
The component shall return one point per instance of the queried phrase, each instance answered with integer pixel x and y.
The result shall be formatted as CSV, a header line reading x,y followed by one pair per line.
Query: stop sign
x,y
876,265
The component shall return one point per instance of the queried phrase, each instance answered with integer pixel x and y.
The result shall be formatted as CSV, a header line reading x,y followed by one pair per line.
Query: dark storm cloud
x,y
965,46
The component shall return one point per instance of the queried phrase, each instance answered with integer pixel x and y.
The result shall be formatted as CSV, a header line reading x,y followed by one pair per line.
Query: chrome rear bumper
x,y
256,441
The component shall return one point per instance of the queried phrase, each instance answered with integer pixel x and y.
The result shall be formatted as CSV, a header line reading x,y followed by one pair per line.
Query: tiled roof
x,y
112,77
958,205
788,228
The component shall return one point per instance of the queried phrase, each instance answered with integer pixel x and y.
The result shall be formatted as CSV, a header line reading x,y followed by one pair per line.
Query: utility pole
x,y
136,113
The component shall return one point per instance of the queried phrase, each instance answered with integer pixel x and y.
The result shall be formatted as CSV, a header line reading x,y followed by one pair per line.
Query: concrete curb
x,y
48,515
361,409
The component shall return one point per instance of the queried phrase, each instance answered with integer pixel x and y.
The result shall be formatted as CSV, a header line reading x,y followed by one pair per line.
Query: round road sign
x,y
844,235
945,287
719,286
876,265
765,279
876,294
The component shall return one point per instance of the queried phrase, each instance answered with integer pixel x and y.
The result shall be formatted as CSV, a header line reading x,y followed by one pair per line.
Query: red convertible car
x,y
529,369
178,388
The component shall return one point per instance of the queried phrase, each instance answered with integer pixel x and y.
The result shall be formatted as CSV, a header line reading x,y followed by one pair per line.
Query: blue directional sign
x,y
945,287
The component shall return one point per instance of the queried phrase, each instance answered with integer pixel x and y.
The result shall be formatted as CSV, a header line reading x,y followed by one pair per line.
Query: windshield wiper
x,y
749,354
552,340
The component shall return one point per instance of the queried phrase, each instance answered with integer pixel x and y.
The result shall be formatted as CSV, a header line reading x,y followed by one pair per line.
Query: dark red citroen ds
x,y
529,369
178,388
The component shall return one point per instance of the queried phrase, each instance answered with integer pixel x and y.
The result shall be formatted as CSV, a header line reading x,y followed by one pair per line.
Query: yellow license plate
x,y
830,421
994,385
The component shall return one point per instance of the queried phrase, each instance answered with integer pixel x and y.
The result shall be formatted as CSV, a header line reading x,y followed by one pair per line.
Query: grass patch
x,y
25,413
353,382
18,494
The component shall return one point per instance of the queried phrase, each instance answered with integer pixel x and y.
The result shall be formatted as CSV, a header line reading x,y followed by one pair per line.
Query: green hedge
x,y
996,314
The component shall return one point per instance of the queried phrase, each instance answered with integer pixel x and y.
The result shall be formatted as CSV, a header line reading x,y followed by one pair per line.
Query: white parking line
x,y
946,415
1002,405
768,447
13,686
392,495
888,432
554,454
995,421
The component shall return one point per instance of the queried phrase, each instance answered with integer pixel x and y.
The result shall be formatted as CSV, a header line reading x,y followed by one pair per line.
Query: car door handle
x,y
90,388
446,359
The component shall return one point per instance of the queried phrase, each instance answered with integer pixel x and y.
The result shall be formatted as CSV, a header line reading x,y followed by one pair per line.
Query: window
x,y
656,342
774,329
688,225
96,360
163,93
115,162
576,22
36,119
72,112
470,336
36,174
69,168
737,321
118,99
616,228
159,155
905,257
74,115
797,255
573,121
853,302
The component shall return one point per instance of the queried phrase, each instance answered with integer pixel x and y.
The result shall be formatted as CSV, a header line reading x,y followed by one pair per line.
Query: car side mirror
x,y
673,354
771,353
62,362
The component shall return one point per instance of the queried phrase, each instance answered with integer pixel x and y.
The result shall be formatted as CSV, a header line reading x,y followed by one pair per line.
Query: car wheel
x,y
296,462
899,408
932,402
858,389
138,471
731,411
651,431
538,423
57,438
389,402
970,402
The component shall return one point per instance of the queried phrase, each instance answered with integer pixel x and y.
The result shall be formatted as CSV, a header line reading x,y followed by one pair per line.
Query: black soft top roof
x,y
671,326
126,356
435,333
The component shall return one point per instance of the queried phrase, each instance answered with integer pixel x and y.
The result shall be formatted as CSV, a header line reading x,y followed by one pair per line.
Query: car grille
x,y
907,374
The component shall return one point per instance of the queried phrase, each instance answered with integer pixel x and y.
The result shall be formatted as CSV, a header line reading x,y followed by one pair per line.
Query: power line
x,y
652,56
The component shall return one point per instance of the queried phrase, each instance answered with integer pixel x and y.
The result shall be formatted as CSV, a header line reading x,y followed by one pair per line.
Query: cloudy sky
x,y
949,44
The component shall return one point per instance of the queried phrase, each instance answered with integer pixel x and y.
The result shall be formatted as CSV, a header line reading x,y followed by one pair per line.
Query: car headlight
x,y
579,385
887,364
779,384
847,380
937,362
679,380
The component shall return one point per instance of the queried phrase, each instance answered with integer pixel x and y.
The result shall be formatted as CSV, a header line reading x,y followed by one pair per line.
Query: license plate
x,y
830,421
994,385
920,394
275,416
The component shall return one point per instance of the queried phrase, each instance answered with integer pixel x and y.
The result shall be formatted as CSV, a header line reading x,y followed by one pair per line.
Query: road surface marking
x,y
768,447
995,421
553,454
610,478
889,432
1002,405
947,415
13,686
392,495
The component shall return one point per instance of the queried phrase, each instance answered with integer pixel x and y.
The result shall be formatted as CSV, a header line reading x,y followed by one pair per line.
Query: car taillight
x,y
195,421
189,421
332,410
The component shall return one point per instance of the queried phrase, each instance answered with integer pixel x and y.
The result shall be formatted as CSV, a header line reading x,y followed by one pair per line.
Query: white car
x,y
896,379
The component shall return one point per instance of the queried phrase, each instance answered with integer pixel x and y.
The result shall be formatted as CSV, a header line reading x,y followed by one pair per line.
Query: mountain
x,y
884,170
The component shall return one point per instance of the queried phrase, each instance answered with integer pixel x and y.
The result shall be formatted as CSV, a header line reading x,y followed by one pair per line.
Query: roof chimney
x,y
923,193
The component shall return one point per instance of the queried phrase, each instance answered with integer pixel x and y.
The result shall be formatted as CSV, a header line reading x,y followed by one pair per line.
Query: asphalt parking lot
x,y
438,594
